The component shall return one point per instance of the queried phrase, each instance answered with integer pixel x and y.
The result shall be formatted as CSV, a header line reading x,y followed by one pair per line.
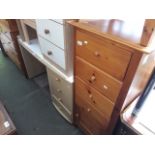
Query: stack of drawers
x,y
55,39
100,68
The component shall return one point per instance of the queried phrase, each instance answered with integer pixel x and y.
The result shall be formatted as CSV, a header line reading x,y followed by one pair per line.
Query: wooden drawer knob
x,y
88,110
49,53
93,78
85,42
90,96
46,31
105,87
57,79
97,54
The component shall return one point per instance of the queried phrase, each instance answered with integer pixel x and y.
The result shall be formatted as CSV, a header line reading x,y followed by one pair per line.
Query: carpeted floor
x,y
29,103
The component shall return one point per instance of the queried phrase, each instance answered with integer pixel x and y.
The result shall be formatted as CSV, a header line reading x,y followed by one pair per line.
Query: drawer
x,y
61,109
105,55
98,79
95,98
53,53
61,88
51,31
87,118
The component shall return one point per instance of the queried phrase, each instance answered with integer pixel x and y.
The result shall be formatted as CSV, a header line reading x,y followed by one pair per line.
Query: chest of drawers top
x,y
130,34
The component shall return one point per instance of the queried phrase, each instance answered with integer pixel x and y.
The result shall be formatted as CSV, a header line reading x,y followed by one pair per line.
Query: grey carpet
x,y
29,103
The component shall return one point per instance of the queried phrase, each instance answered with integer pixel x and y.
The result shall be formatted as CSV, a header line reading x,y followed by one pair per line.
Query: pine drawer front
x,y
95,98
104,55
88,118
107,85
61,88
52,31
53,53
61,109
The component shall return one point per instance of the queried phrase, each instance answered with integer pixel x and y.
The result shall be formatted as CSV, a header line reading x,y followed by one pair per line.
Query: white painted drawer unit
x,y
56,37
56,41
62,93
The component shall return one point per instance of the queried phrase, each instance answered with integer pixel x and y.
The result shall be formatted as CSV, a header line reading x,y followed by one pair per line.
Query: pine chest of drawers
x,y
111,69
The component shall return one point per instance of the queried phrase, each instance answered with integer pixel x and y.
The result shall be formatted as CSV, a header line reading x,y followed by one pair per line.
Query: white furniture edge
x,y
34,49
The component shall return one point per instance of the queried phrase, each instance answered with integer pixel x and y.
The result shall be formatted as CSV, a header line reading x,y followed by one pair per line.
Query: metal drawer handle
x,y
49,53
46,31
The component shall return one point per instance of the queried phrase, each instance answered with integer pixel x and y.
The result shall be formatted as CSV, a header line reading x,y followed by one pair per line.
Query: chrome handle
x,y
46,31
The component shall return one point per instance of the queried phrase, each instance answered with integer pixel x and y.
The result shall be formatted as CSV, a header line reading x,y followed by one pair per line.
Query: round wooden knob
x,y
57,79
105,87
97,54
46,31
93,78
90,96
88,110
49,53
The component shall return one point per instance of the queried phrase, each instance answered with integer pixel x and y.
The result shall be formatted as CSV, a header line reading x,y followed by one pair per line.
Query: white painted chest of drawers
x,y
56,42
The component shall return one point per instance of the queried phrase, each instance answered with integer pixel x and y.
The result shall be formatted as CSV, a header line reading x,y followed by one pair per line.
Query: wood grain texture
x,y
106,56
96,78
95,98
140,64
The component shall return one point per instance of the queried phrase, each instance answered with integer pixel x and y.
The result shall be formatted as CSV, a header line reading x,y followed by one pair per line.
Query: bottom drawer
x,y
62,110
87,118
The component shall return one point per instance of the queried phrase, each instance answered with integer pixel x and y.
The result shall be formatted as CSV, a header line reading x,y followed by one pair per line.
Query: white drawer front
x,y
51,31
52,52
62,110
62,89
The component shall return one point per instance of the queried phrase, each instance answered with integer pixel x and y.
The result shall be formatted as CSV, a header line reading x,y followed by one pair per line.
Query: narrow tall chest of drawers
x,y
111,69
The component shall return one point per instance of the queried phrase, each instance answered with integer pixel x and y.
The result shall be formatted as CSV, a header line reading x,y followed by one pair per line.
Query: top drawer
x,y
51,31
104,55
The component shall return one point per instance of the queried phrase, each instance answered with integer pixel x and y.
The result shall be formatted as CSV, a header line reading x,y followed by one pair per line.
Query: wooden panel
x,y
88,118
94,77
90,95
107,57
